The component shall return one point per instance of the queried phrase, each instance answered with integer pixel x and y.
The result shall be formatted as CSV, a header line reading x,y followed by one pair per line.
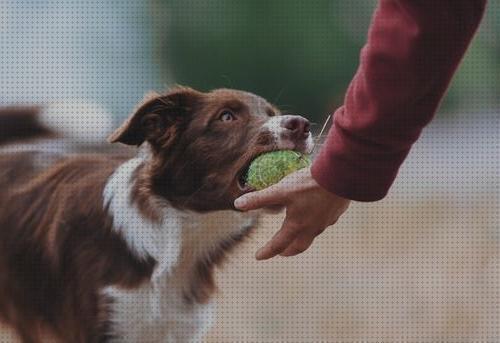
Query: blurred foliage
x,y
476,86
301,55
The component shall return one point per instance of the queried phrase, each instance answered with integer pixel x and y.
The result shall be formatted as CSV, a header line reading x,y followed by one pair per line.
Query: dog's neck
x,y
185,244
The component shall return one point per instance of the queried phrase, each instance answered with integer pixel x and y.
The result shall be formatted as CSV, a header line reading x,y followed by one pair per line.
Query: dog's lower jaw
x,y
175,301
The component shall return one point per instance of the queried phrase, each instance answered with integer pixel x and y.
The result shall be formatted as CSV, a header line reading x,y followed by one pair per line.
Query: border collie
x,y
105,247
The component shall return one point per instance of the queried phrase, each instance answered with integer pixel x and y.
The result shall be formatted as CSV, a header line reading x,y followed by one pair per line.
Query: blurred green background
x,y
300,55
422,265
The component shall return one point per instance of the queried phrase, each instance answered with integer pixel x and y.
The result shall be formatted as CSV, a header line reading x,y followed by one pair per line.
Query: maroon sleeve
x,y
413,49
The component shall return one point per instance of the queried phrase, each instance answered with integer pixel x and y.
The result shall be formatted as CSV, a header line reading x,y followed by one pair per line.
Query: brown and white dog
x,y
104,247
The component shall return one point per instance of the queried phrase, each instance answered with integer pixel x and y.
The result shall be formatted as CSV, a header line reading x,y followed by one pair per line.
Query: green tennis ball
x,y
269,168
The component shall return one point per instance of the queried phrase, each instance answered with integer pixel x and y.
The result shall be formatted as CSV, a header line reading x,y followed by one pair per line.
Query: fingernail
x,y
240,203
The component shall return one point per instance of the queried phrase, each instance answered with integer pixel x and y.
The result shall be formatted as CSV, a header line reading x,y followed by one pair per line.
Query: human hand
x,y
310,209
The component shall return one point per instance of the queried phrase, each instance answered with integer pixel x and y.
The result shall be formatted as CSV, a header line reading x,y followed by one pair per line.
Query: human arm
x,y
412,52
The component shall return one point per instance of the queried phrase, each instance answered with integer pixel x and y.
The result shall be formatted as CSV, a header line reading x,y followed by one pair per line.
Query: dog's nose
x,y
298,126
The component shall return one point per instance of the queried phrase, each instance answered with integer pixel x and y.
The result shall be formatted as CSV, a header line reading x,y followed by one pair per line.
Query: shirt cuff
x,y
352,169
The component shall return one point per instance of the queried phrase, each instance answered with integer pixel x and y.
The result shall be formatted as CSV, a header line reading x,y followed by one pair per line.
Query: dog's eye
x,y
226,116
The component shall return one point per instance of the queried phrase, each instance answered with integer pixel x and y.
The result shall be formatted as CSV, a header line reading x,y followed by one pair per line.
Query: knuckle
x,y
277,245
302,245
294,227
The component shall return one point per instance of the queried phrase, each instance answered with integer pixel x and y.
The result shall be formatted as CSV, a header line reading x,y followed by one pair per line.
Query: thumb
x,y
270,196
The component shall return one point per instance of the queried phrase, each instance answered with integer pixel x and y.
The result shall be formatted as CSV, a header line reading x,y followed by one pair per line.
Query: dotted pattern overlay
x,y
423,265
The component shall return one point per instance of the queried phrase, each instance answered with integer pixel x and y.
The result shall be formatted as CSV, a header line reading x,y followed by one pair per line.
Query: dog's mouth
x,y
241,176
242,179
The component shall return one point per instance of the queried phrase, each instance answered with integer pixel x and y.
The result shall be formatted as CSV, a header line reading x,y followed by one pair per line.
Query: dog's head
x,y
202,143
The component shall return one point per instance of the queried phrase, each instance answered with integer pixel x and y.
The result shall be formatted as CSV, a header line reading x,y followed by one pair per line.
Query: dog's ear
x,y
157,118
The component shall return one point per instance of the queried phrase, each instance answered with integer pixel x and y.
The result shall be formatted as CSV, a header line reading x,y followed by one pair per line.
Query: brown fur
x,y
18,123
58,248
184,124
201,285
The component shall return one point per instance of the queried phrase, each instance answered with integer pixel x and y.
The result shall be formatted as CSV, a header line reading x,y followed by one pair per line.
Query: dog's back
x,y
99,245
45,184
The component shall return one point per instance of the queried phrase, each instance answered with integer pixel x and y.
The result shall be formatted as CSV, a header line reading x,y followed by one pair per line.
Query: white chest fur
x,y
156,311
157,314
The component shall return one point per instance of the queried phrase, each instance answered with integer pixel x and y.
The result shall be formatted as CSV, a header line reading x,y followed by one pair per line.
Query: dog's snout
x,y
298,126
289,132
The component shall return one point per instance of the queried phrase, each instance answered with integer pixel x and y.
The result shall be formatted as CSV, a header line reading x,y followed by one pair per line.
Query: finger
x,y
274,209
299,245
270,196
281,240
